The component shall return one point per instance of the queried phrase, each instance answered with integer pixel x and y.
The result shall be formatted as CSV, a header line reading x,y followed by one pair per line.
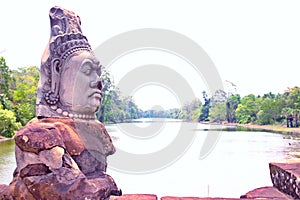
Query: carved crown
x,y
66,35
65,45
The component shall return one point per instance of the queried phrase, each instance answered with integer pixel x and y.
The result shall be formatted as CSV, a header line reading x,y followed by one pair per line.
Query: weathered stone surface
x,y
34,138
134,197
34,170
3,188
20,191
154,197
88,163
25,158
68,162
77,133
266,193
5,192
93,134
286,177
72,141
194,198
60,184
52,157
38,171
64,184
179,198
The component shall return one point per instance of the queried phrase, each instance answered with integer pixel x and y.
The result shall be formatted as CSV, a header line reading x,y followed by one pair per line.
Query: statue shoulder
x,y
37,136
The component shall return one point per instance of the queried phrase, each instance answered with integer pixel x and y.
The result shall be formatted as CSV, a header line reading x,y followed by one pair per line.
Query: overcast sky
x,y
254,44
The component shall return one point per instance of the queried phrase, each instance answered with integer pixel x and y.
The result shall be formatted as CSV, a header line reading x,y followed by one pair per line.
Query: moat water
x,y
237,163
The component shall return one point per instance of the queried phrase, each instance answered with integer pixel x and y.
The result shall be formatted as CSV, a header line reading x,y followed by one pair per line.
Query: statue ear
x,y
55,73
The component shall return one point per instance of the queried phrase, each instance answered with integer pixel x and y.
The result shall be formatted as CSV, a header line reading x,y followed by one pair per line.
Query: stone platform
x,y
267,192
260,193
285,177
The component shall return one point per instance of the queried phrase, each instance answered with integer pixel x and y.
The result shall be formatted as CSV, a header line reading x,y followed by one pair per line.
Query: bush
x,y
8,123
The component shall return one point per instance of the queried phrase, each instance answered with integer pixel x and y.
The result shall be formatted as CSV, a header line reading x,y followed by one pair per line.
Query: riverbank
x,y
256,127
2,139
272,128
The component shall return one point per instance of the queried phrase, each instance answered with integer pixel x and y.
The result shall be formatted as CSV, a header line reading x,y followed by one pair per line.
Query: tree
x,y
270,110
25,91
5,78
217,112
107,88
114,107
204,116
8,123
191,111
231,106
247,110
293,102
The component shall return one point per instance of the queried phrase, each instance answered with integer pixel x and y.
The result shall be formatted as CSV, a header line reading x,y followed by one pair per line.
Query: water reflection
x,y
238,164
7,161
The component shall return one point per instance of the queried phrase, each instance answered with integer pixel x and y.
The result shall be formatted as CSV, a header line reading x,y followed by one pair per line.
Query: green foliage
x,y
8,123
5,102
270,110
190,111
24,94
247,110
292,108
266,109
5,78
231,105
204,116
24,112
293,98
17,97
114,107
218,112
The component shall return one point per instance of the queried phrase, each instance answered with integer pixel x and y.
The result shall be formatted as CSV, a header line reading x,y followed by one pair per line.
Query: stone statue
x,y
61,154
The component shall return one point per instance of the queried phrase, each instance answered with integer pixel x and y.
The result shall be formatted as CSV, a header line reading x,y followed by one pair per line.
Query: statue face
x,y
80,86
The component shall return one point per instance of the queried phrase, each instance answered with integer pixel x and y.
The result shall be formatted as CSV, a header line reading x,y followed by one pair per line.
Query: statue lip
x,y
97,94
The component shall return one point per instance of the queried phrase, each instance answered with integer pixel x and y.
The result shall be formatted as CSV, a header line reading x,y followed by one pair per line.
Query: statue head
x,y
69,83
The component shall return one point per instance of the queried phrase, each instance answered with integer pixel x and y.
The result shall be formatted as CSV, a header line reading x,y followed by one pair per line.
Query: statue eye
x,y
87,71
99,71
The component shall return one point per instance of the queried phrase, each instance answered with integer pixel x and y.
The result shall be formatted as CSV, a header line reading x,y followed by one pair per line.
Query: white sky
x,y
254,44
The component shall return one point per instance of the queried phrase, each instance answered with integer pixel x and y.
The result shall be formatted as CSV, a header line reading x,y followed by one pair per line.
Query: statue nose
x,y
96,84
99,85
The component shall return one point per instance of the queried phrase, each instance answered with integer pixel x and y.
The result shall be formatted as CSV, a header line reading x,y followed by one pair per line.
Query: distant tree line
x,y
268,109
189,111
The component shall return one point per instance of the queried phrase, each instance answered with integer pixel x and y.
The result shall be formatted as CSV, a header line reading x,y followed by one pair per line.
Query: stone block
x,y
194,198
286,177
267,192
134,197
